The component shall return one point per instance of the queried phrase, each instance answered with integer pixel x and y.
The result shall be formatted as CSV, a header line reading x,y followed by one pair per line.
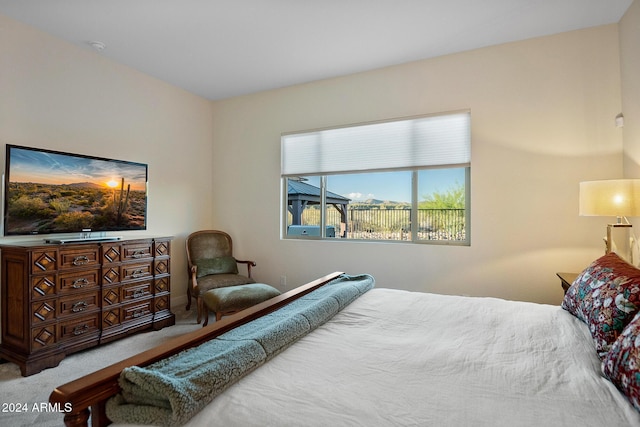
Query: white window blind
x,y
441,140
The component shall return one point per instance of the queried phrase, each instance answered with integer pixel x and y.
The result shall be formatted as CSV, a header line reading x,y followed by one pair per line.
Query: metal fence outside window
x,y
393,224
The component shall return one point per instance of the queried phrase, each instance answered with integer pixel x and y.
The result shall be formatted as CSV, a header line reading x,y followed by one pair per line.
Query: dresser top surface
x,y
43,243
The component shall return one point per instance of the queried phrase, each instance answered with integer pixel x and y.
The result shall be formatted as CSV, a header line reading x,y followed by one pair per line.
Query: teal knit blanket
x,y
171,391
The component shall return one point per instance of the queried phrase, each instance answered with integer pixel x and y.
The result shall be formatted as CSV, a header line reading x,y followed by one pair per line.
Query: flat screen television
x,y
50,192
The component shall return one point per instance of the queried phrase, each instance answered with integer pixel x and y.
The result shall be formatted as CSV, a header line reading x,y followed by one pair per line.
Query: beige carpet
x,y
27,393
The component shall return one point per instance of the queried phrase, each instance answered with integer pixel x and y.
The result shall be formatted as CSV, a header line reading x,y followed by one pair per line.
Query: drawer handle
x,y
138,273
138,293
79,306
80,260
79,330
140,253
80,283
138,313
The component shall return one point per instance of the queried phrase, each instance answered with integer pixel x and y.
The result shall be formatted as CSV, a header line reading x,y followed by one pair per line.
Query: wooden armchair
x,y
211,265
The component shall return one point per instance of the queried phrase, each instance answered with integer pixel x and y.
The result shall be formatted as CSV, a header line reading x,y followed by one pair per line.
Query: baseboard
x,y
178,302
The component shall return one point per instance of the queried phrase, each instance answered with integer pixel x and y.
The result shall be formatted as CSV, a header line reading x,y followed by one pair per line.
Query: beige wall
x,y
57,96
542,121
630,72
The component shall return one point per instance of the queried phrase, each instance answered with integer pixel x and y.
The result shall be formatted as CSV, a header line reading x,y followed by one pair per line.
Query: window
x,y
400,180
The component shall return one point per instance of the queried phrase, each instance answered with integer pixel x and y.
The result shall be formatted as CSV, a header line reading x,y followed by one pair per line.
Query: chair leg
x,y
200,309
206,319
188,298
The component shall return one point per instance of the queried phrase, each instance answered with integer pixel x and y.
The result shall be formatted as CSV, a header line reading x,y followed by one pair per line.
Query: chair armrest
x,y
194,280
249,265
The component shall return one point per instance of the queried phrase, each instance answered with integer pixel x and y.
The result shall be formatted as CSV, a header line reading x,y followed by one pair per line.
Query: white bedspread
x,y
397,358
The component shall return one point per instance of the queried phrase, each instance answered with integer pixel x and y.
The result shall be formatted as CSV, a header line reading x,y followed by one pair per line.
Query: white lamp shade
x,y
615,197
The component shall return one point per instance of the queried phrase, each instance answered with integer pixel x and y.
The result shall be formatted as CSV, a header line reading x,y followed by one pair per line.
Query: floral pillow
x,y
622,364
606,296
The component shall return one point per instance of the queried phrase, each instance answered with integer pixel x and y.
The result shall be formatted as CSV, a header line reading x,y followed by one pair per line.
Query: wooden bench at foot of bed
x,y
87,396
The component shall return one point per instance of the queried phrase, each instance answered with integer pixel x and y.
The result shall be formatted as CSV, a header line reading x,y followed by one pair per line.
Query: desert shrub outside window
x,y
398,180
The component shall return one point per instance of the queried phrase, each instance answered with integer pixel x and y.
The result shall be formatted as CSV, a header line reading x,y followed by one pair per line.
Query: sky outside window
x,y
390,186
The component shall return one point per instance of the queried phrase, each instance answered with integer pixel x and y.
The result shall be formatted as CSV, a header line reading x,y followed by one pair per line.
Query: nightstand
x,y
566,279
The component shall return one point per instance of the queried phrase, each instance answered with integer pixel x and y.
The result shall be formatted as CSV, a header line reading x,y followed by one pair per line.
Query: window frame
x,y
414,211
284,211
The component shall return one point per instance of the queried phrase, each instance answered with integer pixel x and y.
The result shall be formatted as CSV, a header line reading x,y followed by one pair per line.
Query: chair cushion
x,y
234,298
214,281
219,265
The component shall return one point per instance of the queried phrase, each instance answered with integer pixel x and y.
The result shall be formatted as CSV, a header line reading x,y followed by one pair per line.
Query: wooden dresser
x,y
61,298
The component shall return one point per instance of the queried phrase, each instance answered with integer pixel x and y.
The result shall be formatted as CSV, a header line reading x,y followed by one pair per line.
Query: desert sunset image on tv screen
x,y
52,192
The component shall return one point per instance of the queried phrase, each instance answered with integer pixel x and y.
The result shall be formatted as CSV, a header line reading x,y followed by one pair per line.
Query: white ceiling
x,y
224,48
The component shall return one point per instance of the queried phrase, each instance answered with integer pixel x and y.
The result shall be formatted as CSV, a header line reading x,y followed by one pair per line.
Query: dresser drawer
x,y
79,256
136,271
162,284
43,311
161,303
134,291
162,248
111,253
111,317
137,290
75,304
111,275
110,297
136,311
137,250
43,337
79,327
43,286
161,266
44,260
79,280
114,317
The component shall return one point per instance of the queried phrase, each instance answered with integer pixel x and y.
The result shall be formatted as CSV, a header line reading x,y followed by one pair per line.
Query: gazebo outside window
x,y
300,195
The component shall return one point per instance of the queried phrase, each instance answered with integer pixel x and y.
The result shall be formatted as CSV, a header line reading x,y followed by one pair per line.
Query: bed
x,y
392,357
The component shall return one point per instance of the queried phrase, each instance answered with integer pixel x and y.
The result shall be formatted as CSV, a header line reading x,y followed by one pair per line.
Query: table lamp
x,y
619,198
